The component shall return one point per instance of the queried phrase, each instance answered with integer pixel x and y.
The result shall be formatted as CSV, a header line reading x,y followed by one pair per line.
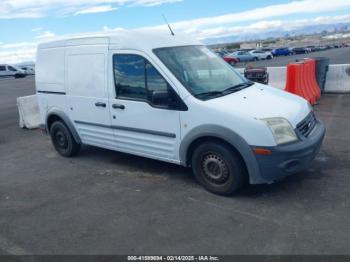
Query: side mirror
x,y
167,99
161,98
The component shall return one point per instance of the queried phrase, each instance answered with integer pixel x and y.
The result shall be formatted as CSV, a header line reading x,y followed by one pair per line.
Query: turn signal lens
x,y
262,151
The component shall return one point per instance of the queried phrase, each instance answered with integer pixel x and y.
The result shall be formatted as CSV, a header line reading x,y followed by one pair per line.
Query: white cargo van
x,y
10,70
169,98
29,70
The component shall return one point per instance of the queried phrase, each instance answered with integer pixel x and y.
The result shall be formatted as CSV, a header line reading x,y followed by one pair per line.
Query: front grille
x,y
306,126
255,75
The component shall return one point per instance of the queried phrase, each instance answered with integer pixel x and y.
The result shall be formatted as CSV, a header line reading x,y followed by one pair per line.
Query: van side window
x,y
155,82
2,68
136,78
129,71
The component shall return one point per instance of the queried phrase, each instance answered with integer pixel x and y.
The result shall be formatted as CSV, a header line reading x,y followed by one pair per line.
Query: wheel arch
x,y
204,133
203,139
58,115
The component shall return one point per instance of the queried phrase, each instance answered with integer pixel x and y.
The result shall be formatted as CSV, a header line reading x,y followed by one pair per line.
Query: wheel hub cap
x,y
215,168
61,139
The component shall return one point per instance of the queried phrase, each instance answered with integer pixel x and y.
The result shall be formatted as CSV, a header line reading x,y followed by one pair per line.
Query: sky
x,y
25,23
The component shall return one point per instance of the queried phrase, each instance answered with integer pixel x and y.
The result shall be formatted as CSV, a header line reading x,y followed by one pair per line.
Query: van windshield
x,y
203,73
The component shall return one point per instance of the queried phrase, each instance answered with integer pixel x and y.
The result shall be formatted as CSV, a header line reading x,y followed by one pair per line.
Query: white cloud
x,y
264,26
25,51
10,9
46,35
107,29
154,2
262,20
14,53
280,10
96,9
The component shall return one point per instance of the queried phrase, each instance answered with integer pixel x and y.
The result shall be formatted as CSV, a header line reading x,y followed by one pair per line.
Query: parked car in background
x,y
266,49
324,47
10,70
313,48
283,51
28,70
300,50
231,60
243,56
261,55
221,53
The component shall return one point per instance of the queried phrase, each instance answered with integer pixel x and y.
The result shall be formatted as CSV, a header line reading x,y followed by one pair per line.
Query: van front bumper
x,y
292,158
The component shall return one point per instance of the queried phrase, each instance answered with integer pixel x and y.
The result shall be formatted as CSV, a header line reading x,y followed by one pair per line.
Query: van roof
x,y
133,39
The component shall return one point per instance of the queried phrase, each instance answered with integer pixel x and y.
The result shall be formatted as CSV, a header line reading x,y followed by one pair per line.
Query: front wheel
x,y
63,140
218,168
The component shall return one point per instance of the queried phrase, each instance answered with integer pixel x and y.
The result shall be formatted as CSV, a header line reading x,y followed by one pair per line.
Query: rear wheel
x,y
218,168
63,140
269,57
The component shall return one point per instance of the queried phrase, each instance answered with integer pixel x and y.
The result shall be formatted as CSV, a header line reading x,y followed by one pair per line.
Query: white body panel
x,y
86,85
82,69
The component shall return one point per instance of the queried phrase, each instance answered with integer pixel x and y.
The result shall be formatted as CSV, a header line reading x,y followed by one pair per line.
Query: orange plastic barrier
x,y
309,89
295,83
311,63
306,84
301,80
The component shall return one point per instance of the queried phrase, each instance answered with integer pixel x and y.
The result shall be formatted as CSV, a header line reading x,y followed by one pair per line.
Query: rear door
x,y
86,82
143,126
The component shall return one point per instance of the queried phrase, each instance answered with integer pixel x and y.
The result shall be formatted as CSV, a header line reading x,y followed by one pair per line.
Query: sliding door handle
x,y
100,104
118,106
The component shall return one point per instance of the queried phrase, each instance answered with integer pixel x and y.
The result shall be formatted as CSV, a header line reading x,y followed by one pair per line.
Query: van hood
x,y
261,101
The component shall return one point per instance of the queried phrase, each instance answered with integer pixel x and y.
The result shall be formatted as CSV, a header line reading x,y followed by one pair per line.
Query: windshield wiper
x,y
210,94
214,94
238,87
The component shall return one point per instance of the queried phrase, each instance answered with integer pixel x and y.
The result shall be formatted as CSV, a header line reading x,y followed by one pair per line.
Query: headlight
x,y
281,129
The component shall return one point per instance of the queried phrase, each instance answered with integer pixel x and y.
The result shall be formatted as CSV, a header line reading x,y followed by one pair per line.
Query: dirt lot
x,y
104,202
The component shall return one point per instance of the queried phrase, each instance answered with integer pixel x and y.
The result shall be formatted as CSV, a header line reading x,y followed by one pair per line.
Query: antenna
x,y
166,21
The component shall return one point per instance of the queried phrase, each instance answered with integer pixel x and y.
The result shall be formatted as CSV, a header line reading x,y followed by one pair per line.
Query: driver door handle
x,y
100,104
118,106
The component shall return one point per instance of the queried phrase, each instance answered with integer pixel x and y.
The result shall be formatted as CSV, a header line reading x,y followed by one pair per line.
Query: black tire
x,y
269,57
20,75
63,140
255,59
218,168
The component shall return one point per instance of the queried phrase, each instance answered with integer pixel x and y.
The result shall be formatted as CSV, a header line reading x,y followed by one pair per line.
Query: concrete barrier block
x,y
338,79
29,116
277,76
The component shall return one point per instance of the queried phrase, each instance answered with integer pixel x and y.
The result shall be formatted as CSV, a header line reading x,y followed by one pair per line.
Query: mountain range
x,y
307,30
